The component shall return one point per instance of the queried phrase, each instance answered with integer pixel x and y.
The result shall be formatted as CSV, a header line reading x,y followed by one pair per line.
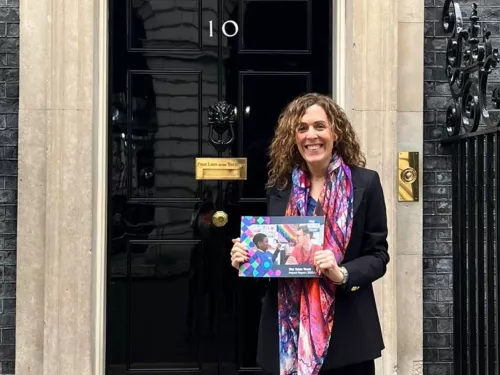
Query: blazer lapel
x,y
281,200
358,197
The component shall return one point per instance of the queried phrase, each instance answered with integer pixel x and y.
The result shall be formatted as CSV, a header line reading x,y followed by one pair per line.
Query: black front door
x,y
173,302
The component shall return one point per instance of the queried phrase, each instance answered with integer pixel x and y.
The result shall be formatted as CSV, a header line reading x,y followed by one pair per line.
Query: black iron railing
x,y
473,138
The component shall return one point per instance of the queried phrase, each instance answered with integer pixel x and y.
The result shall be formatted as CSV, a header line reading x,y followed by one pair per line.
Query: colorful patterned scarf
x,y
306,306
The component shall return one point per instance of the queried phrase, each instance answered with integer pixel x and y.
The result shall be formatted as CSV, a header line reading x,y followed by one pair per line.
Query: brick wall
x,y
438,310
438,313
9,87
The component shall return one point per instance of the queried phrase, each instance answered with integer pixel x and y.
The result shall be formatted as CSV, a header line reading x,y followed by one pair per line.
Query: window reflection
x,y
170,24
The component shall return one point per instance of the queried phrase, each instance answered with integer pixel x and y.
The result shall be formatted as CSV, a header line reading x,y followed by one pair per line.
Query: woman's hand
x,y
325,263
238,253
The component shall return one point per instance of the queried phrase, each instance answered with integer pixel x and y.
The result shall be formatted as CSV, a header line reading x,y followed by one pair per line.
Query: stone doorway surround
x,y
61,249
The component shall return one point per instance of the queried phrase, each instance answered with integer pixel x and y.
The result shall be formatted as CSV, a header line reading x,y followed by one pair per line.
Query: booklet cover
x,y
281,246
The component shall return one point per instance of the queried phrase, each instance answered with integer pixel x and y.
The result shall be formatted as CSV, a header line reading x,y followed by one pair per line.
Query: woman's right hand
x,y
238,253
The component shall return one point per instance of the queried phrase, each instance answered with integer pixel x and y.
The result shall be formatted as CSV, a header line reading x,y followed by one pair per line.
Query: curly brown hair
x,y
283,152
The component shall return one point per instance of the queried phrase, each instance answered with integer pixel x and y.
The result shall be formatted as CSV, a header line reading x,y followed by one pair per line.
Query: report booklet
x,y
281,246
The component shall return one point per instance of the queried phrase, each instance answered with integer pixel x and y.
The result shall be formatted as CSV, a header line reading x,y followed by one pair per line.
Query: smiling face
x,y
314,137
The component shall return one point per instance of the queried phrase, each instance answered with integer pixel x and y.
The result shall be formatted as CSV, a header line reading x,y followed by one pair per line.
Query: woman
x,y
327,325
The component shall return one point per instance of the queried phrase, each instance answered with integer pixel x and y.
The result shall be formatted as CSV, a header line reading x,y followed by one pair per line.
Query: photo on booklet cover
x,y
281,246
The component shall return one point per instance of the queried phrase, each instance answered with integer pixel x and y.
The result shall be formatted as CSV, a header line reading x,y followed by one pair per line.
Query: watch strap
x,y
345,273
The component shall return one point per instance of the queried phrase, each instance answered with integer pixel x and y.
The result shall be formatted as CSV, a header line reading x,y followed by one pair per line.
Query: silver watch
x,y
344,272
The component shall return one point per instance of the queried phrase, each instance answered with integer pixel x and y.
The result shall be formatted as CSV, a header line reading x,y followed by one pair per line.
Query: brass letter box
x,y
221,168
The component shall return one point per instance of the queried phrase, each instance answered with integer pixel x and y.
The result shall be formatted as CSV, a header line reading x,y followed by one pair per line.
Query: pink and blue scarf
x,y
306,306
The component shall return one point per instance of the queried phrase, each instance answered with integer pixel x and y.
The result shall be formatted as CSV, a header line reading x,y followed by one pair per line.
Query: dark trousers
x,y
363,368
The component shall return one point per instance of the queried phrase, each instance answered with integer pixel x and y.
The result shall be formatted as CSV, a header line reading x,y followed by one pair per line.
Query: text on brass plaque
x,y
221,168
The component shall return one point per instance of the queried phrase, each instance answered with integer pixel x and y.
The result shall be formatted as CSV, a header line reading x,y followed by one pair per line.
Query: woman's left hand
x,y
325,263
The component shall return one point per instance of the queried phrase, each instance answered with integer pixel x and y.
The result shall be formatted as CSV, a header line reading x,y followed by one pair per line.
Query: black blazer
x,y
356,334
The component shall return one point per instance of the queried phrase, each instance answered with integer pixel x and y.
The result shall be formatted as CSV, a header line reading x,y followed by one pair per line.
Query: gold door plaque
x,y
408,179
221,169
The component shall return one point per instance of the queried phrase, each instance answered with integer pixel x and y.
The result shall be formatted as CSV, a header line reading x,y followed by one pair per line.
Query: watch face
x,y
344,272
